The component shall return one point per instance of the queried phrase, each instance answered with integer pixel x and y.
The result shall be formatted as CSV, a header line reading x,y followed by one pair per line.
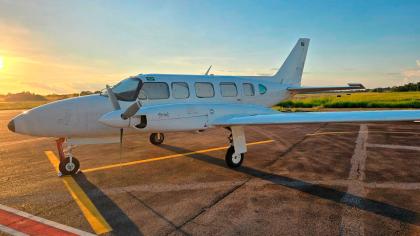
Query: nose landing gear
x,y
69,165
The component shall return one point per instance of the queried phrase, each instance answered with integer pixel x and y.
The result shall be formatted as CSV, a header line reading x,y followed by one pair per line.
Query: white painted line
x,y
351,222
11,231
414,148
45,221
358,160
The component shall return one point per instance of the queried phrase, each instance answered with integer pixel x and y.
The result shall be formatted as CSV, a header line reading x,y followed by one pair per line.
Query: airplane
x,y
161,103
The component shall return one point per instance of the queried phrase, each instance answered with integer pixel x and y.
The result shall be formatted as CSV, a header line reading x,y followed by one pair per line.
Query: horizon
x,y
47,48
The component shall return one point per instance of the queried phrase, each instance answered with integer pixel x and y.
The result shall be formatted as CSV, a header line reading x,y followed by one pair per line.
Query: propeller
x,y
128,113
116,105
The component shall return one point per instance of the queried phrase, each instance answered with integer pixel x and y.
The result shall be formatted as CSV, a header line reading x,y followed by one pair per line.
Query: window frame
x,y
195,89
228,83
188,89
252,87
147,98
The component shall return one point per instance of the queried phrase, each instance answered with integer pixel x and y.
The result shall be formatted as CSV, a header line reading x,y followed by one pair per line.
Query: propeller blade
x,y
112,98
131,110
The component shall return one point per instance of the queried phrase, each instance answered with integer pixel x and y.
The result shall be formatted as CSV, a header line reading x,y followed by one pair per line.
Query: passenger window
x,y
204,90
262,89
157,90
228,89
248,89
180,90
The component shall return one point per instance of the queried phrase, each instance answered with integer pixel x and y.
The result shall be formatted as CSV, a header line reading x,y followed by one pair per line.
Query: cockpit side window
x,y
128,89
154,90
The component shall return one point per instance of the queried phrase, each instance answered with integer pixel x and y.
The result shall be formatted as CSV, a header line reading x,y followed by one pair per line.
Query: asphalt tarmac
x,y
318,179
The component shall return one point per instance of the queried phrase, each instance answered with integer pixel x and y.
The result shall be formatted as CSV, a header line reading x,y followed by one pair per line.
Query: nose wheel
x,y
157,138
69,166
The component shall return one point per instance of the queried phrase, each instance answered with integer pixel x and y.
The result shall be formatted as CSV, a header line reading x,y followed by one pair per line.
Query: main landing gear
x,y
157,138
236,152
69,165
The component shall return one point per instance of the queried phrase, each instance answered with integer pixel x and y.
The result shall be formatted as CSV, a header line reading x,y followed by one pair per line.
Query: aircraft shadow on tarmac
x,y
365,204
116,218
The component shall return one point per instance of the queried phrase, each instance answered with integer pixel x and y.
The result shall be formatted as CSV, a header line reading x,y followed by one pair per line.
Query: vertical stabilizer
x,y
291,70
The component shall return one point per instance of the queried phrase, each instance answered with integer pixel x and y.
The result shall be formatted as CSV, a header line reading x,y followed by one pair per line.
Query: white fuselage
x,y
80,116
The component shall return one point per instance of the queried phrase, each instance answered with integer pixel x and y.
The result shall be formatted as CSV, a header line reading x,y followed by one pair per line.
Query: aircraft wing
x,y
351,86
318,117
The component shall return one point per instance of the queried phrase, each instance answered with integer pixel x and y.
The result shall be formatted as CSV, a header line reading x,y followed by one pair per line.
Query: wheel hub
x,y
70,166
236,158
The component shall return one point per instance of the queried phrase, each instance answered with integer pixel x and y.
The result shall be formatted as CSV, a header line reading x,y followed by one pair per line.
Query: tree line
x,y
403,88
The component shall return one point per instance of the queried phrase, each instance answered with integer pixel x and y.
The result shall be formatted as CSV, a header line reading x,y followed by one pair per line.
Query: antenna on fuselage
x,y
208,70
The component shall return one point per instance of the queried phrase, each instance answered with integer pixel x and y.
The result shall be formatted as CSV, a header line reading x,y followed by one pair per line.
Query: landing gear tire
x,y
157,138
69,168
233,160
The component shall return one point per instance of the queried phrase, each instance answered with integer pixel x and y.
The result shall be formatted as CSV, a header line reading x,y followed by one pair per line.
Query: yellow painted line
x,y
166,157
92,215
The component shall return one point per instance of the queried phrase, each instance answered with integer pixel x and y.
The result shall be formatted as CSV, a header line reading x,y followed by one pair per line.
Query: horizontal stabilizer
x,y
351,86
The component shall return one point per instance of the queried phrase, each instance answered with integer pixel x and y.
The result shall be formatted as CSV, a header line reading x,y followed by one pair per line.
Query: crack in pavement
x,y
226,194
204,209
156,212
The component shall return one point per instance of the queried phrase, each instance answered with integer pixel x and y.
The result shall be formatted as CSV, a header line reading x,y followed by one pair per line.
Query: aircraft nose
x,y
11,125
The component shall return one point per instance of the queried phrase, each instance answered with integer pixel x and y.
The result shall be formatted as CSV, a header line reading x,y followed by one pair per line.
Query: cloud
x,y
413,74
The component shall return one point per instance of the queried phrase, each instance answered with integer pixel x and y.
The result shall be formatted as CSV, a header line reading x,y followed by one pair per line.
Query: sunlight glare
x,y
1,62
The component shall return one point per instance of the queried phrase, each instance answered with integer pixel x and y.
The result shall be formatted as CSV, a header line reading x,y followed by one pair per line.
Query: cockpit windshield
x,y
128,89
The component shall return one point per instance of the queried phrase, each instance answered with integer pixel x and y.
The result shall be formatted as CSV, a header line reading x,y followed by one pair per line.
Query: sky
x,y
58,46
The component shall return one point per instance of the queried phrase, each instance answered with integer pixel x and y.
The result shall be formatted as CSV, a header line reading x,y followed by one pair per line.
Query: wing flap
x,y
319,117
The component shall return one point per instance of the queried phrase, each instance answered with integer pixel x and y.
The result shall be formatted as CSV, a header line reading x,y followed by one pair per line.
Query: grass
x,y
21,105
24,105
354,100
